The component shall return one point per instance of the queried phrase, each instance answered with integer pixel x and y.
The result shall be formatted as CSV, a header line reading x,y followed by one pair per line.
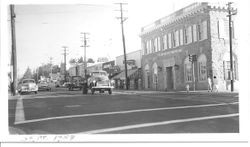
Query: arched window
x,y
187,70
147,76
202,68
227,69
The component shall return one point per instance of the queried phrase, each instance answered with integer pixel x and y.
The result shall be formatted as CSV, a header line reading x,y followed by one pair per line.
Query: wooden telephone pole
x,y
13,56
123,41
230,45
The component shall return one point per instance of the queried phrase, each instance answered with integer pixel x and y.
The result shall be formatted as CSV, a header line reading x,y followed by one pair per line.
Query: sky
x,y
42,29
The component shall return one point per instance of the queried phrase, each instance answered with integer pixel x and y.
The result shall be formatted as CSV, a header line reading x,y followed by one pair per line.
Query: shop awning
x,y
130,73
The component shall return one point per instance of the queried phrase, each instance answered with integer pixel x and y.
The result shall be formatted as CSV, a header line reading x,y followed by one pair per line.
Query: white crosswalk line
x,y
19,114
158,123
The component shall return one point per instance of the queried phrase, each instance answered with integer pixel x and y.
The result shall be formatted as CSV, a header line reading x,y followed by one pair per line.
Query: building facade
x,y
133,59
133,71
199,30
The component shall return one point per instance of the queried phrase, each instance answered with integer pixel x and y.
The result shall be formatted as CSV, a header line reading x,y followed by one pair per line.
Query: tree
x,y
72,61
90,60
28,74
55,69
80,60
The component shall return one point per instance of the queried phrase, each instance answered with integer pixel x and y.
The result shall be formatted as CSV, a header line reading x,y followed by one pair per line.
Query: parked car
x,y
75,82
99,81
44,86
66,84
27,86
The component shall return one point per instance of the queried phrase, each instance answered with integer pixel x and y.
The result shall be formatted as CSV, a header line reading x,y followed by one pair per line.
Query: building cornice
x,y
181,15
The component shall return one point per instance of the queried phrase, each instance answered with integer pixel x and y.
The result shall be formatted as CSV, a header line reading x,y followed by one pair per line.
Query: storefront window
x,y
227,75
226,66
202,68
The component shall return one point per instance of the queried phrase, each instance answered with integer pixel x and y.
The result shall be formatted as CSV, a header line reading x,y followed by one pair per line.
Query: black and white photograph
x,y
124,71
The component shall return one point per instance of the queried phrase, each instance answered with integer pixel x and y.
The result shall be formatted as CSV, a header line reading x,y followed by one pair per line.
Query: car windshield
x,y
43,83
28,81
95,74
101,78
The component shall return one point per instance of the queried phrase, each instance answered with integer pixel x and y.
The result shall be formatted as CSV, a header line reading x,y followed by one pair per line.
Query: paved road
x,y
64,112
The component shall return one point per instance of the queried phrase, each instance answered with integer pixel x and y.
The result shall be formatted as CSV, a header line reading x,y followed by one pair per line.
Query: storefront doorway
x,y
169,78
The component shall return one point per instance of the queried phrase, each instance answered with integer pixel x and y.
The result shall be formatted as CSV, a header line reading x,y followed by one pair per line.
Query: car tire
x,y
35,92
92,91
110,91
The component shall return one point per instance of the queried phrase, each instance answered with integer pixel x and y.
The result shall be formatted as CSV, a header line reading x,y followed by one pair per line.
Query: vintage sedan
x,y
27,86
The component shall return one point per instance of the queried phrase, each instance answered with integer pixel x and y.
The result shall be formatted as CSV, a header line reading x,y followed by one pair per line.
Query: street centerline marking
x,y
158,123
72,106
123,112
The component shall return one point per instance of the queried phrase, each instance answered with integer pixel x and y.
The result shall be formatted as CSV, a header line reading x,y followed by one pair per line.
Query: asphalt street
x,y
123,112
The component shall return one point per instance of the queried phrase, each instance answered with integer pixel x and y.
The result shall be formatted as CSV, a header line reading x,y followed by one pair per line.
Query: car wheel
x,y
110,91
92,91
35,92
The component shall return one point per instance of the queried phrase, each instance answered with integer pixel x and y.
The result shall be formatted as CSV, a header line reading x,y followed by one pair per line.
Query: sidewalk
x,y
13,131
11,97
198,92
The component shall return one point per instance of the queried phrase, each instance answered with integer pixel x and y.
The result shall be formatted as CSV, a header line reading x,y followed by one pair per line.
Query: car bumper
x,y
102,87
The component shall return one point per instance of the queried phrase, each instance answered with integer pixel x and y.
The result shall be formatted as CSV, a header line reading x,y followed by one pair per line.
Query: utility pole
x,y
65,55
230,45
13,39
84,40
123,41
50,61
37,71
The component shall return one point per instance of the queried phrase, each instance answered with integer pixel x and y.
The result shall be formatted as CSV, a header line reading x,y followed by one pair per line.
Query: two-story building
x,y
200,29
133,71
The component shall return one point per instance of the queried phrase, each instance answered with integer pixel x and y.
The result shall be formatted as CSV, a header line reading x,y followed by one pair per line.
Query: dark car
x,y
44,86
75,82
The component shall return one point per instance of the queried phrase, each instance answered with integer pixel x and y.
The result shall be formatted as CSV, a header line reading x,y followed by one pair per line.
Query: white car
x,y
27,86
99,81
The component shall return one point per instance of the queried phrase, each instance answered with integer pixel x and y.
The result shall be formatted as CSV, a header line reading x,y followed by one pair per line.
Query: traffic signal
x,y
190,57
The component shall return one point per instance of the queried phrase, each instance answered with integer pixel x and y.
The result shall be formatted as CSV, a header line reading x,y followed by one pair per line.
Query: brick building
x,y
200,29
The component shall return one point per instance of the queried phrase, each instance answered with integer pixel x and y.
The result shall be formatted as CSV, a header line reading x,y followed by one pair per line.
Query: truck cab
x,y
99,81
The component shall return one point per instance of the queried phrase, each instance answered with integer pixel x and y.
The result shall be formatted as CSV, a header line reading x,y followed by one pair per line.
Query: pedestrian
x,y
216,86
187,88
209,84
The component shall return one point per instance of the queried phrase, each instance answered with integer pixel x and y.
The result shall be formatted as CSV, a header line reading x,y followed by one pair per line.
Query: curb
x,y
179,92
